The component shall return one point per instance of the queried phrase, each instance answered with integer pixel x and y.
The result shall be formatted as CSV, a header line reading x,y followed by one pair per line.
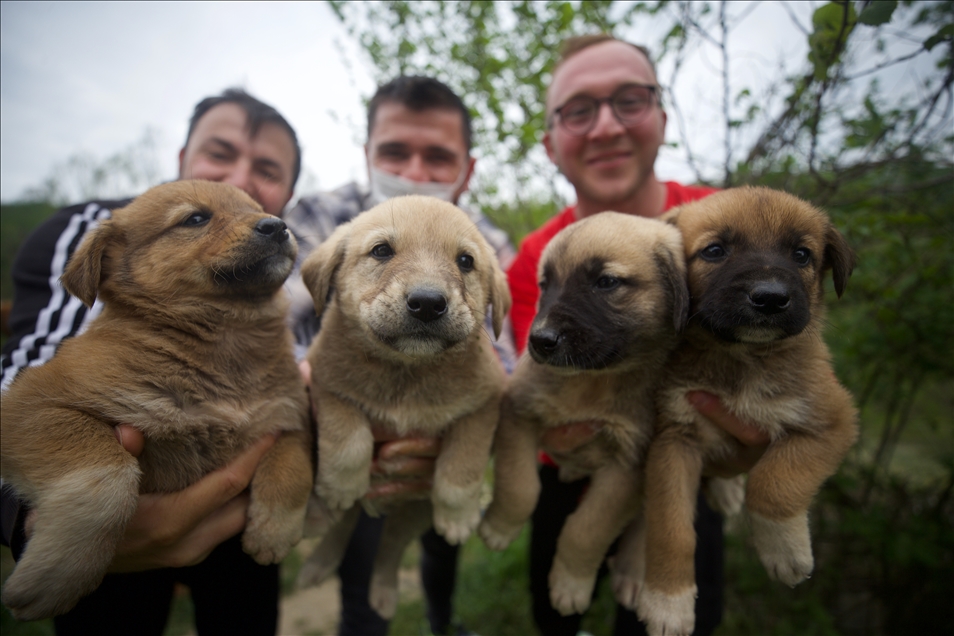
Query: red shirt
x,y
523,272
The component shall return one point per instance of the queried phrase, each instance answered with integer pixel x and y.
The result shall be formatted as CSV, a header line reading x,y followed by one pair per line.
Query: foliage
x,y
880,161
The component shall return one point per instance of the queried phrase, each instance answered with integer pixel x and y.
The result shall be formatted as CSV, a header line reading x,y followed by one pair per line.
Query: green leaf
x,y
944,34
878,12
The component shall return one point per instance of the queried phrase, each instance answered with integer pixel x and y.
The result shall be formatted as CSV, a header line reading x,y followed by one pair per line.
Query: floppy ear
x,y
84,271
500,298
839,257
318,270
674,274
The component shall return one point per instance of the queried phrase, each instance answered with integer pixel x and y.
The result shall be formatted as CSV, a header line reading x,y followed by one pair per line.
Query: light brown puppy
x,y
756,262
402,291
613,300
192,349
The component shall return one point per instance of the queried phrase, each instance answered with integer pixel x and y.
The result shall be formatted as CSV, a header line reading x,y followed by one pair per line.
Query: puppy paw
x,y
319,518
345,489
784,547
667,614
569,594
36,596
456,511
271,532
725,495
316,570
456,525
497,535
384,599
625,588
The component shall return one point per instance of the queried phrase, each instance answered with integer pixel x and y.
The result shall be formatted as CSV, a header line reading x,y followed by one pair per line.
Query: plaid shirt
x,y
315,217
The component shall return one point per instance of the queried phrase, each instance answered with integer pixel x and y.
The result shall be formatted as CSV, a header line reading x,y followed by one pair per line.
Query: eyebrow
x,y
261,161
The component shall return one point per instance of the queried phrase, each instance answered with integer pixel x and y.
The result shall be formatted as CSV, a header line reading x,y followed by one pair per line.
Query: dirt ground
x,y
316,610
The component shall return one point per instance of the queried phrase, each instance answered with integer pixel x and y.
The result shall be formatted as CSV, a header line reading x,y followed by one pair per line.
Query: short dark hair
x,y
417,93
257,112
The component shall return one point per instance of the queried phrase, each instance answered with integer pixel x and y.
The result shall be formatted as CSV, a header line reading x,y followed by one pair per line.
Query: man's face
x,y
221,149
424,146
611,162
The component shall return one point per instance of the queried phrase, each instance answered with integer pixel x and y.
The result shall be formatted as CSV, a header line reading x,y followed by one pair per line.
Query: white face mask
x,y
385,185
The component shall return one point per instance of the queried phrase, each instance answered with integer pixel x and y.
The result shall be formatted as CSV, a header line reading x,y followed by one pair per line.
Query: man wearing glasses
x,y
605,125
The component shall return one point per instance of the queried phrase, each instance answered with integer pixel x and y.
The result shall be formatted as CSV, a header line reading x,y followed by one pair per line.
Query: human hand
x,y
401,466
752,440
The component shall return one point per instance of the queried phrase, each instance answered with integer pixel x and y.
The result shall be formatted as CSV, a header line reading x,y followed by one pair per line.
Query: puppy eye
x,y
714,252
465,262
542,284
607,282
382,251
802,256
196,219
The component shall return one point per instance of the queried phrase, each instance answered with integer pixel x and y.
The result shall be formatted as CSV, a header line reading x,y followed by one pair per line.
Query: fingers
x,y
568,437
218,487
304,367
412,447
130,438
712,408
398,467
398,488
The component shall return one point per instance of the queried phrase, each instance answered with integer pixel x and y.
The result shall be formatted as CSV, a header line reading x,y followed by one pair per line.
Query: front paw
x,y
344,490
496,534
667,614
383,598
569,594
32,594
625,586
456,524
271,532
725,495
784,547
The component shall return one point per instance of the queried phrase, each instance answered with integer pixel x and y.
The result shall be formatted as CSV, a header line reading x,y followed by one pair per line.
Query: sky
x,y
92,78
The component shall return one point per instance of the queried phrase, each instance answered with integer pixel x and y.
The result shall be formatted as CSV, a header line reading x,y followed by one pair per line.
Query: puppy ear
x,y
85,271
674,275
500,299
319,268
839,257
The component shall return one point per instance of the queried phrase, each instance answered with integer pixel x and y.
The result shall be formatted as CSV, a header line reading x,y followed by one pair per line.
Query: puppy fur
x,y
402,292
192,349
613,299
756,260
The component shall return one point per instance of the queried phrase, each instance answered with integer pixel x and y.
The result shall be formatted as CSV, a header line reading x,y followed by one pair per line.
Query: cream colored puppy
x,y
613,300
402,291
192,349
757,261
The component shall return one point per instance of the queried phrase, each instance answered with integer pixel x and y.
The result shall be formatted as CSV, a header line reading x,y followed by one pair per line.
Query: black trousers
x,y
232,595
438,575
557,501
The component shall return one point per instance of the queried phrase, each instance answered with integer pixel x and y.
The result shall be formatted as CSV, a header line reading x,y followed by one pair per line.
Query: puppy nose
x,y
544,341
272,228
426,304
770,297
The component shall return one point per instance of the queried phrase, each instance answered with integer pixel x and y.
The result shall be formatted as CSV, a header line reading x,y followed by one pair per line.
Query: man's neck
x,y
649,201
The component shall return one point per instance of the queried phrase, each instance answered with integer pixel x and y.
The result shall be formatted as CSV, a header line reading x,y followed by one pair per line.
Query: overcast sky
x,y
92,77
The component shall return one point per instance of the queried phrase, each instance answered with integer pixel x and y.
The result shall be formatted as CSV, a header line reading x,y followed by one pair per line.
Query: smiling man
x,y
605,125
190,536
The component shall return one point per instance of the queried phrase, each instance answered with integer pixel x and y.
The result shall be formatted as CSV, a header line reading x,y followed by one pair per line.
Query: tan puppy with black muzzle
x,y
613,300
192,349
756,260
402,291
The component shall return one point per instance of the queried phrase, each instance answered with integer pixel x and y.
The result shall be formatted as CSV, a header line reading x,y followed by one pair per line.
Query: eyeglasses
x,y
629,104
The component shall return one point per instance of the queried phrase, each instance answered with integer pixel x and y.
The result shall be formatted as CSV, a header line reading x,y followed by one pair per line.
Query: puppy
x,y
192,349
402,291
613,299
756,262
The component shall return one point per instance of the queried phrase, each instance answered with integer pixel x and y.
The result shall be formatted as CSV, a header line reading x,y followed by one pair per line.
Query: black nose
x,y
272,228
426,304
544,341
770,297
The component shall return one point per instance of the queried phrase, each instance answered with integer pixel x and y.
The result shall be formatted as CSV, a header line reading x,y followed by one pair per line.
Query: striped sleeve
x,y
43,314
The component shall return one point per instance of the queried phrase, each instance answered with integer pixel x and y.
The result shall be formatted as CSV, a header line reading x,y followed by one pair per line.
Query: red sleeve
x,y
677,194
522,275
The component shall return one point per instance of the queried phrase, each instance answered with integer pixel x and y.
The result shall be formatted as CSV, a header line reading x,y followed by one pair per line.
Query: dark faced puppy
x,y
192,349
613,300
756,261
